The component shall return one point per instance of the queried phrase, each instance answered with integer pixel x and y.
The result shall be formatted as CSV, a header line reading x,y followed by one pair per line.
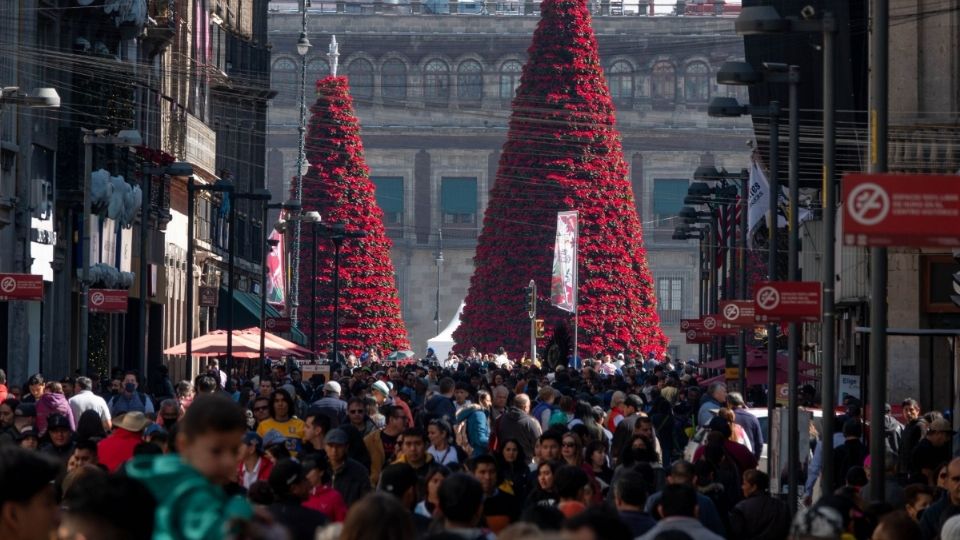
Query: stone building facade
x,y
433,95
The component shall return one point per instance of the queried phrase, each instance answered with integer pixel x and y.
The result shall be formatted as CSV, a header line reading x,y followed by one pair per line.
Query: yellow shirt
x,y
292,431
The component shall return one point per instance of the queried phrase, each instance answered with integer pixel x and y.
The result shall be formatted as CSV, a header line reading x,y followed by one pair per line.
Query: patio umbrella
x,y
398,356
245,345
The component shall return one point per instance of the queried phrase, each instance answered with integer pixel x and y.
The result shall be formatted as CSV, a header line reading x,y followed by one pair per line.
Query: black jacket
x,y
760,517
301,522
352,481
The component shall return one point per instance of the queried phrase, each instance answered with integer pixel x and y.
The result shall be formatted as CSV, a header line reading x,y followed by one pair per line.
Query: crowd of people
x,y
471,448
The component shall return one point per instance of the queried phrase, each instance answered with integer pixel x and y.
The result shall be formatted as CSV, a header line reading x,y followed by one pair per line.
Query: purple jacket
x,y
53,404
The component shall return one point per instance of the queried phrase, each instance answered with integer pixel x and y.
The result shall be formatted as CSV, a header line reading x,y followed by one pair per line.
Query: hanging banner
x,y
275,277
563,284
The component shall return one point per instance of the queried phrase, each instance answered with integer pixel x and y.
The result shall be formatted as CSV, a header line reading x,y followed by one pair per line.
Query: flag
x,y
563,284
759,201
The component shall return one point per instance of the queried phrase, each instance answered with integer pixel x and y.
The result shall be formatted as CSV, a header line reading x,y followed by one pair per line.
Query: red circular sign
x,y
8,284
96,298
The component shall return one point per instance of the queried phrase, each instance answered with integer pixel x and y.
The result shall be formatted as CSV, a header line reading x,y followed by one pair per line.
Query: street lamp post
x,y
767,20
101,136
303,47
337,233
314,219
742,74
192,188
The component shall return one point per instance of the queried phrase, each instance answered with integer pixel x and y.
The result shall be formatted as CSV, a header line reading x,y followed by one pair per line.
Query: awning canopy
x,y
246,313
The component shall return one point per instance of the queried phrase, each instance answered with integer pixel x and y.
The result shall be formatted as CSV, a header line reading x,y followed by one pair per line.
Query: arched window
x,y
696,83
436,80
284,78
663,81
393,79
317,68
510,78
620,79
360,75
470,80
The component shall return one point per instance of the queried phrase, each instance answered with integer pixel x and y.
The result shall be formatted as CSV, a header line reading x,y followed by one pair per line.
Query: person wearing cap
x,y
289,483
330,405
60,434
933,449
28,438
118,447
253,466
28,503
348,476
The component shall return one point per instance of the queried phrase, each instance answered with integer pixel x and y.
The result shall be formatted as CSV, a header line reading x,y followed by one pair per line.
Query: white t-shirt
x,y
249,477
87,400
444,457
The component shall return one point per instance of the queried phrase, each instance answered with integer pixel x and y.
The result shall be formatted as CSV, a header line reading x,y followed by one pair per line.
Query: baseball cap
x,y
332,386
396,479
58,421
381,387
251,437
337,436
26,409
273,437
26,433
285,473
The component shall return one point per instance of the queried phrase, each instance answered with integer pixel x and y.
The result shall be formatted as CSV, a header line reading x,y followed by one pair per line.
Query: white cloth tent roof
x,y
443,342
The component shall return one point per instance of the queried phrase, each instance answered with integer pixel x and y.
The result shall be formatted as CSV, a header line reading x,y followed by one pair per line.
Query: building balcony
x,y
162,24
925,149
189,139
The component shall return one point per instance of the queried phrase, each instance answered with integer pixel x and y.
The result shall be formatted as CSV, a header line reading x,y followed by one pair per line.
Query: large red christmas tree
x,y
562,153
338,186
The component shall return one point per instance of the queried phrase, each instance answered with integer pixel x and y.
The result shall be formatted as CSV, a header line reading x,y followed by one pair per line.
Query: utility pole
x,y
532,313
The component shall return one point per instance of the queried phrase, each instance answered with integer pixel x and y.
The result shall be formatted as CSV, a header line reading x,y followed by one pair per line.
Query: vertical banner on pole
x,y
565,282
276,293
563,285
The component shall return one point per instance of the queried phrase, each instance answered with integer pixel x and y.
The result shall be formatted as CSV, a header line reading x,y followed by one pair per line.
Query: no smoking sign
x,y
788,301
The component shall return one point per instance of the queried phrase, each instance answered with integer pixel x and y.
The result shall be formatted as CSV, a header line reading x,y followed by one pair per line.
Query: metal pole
x,y
313,288
878,255
772,274
231,280
188,311
298,189
83,347
263,287
337,243
439,268
793,269
828,388
146,181
533,321
744,211
714,274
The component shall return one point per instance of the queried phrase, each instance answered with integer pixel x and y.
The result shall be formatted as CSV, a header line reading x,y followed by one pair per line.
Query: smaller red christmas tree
x,y
338,186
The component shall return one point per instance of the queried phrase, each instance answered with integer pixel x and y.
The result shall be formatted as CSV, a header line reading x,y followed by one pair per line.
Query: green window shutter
x,y
458,195
668,196
389,193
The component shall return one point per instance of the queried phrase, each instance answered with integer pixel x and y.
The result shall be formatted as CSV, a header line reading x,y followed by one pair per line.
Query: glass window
x,y
284,78
470,80
510,78
393,79
317,68
669,298
458,201
663,81
389,192
668,197
360,75
436,80
620,79
696,83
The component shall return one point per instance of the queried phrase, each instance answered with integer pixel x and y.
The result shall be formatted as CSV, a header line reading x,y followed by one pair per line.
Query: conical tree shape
x,y
338,186
562,153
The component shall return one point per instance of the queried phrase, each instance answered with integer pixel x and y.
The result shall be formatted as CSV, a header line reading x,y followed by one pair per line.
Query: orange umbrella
x,y
214,343
278,342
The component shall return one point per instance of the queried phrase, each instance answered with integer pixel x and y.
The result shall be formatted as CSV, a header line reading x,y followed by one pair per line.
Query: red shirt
x,y
262,475
117,448
326,500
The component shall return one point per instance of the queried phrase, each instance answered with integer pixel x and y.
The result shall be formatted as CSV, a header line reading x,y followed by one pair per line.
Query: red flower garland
x,y
562,153
338,186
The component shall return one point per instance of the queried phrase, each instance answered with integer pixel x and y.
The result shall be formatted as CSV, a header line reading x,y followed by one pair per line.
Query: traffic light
x,y
541,330
956,280
531,291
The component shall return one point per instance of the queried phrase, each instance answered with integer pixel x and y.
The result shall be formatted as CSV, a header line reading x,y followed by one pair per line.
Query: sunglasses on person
x,y
569,445
356,411
263,408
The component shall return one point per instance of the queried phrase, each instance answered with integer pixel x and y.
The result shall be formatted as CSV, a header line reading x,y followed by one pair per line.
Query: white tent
x,y
443,343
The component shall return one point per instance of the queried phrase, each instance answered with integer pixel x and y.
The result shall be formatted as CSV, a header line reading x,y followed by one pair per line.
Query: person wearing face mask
x,y
169,414
130,399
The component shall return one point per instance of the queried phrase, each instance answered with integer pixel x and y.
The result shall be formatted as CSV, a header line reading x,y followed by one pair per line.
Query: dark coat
x,y
760,517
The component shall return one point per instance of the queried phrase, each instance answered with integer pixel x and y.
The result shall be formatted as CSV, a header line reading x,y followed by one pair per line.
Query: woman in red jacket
x,y
253,466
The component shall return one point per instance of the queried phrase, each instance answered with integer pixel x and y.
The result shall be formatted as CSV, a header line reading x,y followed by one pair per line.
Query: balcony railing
x,y
605,8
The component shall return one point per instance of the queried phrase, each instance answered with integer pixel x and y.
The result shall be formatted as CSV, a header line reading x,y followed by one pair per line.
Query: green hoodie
x,y
189,507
